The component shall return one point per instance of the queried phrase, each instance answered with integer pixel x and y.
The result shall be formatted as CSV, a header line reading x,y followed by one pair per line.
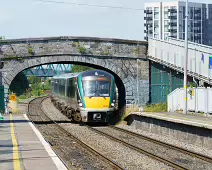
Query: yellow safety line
x,y
16,160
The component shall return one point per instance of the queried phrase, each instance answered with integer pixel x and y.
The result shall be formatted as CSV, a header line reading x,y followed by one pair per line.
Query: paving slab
x,y
30,152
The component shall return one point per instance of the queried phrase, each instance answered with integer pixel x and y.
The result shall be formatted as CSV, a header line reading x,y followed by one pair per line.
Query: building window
x,y
166,12
166,36
156,36
166,28
156,16
156,9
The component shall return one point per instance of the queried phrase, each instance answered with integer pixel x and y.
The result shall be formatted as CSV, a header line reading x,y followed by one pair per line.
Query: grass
x,y
133,108
160,107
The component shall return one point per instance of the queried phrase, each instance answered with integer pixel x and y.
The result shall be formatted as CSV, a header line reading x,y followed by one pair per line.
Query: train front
x,y
97,91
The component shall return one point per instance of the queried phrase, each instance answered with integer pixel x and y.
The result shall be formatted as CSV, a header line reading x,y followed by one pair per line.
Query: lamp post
x,y
186,60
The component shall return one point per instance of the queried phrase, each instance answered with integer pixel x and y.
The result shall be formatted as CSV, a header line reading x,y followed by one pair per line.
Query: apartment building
x,y
167,19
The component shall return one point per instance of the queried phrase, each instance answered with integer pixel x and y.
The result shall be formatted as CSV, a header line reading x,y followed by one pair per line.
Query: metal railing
x,y
171,54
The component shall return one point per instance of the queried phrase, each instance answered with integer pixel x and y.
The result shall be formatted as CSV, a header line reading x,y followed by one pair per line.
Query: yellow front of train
x,y
97,95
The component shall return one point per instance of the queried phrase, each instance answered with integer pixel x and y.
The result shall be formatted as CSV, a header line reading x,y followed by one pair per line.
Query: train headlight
x,y
80,104
112,104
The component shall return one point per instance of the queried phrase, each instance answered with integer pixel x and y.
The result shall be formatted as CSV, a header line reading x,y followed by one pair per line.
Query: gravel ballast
x,y
169,140
75,156
126,157
170,154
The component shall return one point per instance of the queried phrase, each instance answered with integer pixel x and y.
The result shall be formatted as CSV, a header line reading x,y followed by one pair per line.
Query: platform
x,y
188,119
23,147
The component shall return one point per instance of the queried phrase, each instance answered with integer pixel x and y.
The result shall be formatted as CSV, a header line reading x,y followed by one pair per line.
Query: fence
x,y
199,100
2,102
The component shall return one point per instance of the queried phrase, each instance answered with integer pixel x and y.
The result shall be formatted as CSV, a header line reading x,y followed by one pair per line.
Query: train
x,y
88,96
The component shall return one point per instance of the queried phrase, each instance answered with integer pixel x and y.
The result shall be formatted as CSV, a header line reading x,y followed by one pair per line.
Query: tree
x,y
34,79
79,68
19,84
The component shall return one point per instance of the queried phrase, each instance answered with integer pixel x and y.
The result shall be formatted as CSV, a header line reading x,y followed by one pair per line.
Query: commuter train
x,y
88,96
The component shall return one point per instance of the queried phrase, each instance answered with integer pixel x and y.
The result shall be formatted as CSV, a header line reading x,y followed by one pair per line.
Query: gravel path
x,y
169,140
162,151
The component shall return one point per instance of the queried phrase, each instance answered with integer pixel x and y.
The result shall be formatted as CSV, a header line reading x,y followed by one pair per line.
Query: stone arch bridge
x,y
117,56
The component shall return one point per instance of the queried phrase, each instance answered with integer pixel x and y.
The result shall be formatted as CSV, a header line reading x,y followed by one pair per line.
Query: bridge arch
x,y
118,57
121,77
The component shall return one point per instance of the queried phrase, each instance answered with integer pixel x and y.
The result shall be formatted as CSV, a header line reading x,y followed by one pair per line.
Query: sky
x,y
31,18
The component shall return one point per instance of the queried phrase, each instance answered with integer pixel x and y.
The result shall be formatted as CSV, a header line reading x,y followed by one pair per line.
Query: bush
x,y
30,51
82,50
22,97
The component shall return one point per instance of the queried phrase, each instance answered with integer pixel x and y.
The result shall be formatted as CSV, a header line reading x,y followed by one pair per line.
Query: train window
x,y
71,88
90,88
104,88
96,88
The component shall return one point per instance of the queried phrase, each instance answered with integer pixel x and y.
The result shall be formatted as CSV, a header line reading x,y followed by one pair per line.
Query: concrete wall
x,y
189,134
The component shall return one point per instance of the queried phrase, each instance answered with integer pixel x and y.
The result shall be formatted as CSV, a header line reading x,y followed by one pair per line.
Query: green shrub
x,y
82,50
75,44
22,97
30,51
160,107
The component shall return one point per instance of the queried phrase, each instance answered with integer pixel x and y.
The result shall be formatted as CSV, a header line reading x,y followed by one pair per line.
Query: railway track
x,y
46,119
123,136
194,154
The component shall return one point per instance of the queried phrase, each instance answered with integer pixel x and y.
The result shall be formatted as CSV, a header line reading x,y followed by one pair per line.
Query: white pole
x,y
186,60
137,85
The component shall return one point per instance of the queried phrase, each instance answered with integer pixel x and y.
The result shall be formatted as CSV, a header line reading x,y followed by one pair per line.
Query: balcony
x,y
173,36
197,17
148,18
197,36
172,10
172,24
148,25
172,30
197,31
148,11
173,17
197,24
197,11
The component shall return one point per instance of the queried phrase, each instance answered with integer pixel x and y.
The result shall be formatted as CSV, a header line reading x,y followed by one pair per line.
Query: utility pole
x,y
186,60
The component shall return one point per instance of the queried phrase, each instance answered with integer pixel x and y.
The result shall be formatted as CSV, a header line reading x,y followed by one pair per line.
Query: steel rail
x,y
52,146
191,153
84,145
142,151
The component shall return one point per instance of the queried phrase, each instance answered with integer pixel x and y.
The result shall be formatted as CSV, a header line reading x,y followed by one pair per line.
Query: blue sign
x,y
210,62
202,58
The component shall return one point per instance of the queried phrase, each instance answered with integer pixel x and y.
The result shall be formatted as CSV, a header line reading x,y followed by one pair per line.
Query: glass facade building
x,y
167,19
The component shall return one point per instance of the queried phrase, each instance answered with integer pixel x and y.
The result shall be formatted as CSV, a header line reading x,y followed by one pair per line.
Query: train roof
x,y
84,73
66,76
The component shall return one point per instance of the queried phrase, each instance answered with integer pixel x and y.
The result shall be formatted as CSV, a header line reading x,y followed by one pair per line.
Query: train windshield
x,y
96,88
